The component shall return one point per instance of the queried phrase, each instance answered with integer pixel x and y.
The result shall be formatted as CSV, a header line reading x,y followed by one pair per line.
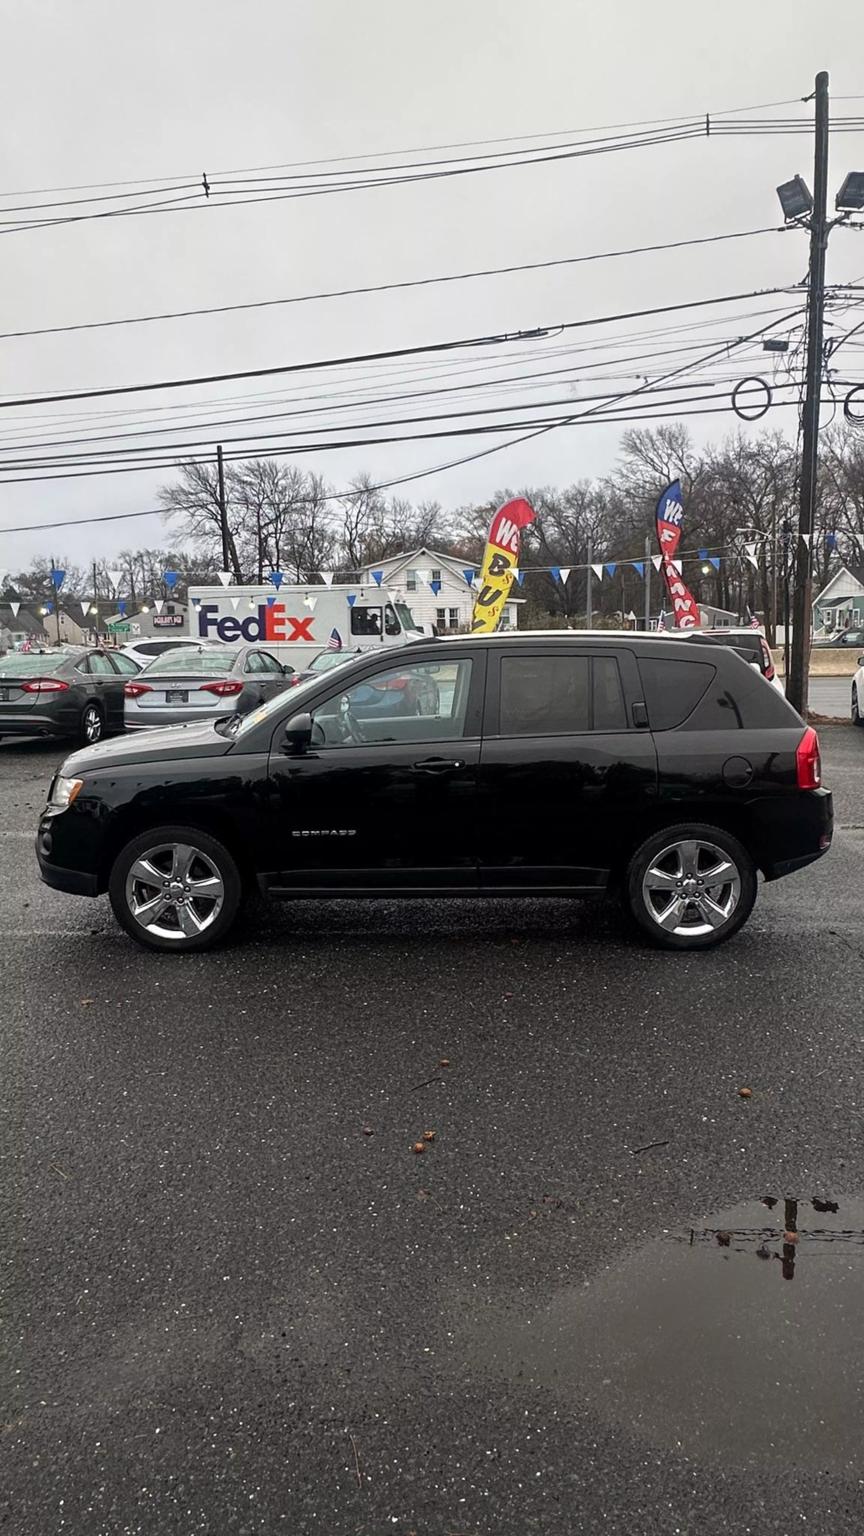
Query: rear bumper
x,y
31,724
792,842
157,719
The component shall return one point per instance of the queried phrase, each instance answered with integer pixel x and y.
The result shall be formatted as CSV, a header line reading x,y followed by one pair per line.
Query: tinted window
x,y
269,663
609,711
365,621
254,663
673,689
426,701
544,695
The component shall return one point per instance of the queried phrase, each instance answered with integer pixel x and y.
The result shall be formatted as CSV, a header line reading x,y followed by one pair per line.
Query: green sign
x,y
120,628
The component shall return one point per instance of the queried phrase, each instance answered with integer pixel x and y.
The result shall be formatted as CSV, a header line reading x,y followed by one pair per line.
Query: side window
x,y
254,663
365,621
124,664
673,689
391,623
544,695
423,702
610,713
268,662
100,666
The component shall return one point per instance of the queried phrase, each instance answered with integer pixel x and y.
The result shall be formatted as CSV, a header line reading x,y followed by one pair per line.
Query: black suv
x,y
549,765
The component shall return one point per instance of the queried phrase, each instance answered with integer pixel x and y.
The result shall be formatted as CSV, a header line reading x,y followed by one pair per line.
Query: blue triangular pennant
x,y
436,587
638,565
702,553
270,602
170,578
611,567
49,607
352,598
555,572
469,576
121,606
715,561
520,577
277,578
377,577
58,577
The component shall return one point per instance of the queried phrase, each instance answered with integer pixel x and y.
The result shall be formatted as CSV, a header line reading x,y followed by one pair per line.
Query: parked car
x,y
748,642
67,693
666,774
858,694
410,693
209,680
143,651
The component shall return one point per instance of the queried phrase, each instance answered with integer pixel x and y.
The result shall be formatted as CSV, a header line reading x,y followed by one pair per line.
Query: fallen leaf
x,y
86,1000
724,1239
444,1062
368,1131
428,1135
790,1237
419,1146
745,1093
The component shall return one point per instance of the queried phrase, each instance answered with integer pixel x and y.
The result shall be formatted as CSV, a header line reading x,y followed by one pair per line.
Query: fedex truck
x,y
299,621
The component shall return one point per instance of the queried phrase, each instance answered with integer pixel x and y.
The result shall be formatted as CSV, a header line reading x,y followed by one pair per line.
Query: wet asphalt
x,y
235,1300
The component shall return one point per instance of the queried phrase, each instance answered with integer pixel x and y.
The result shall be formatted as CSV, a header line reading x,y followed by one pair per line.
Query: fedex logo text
x,y
268,622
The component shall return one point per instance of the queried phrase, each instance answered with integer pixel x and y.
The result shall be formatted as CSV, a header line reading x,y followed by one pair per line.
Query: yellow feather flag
x,y
500,561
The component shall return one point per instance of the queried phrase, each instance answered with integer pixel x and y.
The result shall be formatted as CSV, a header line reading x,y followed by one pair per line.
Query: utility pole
x,y
796,681
588,574
647,582
223,511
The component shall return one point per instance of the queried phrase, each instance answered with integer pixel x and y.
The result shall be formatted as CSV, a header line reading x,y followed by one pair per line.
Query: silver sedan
x,y
202,683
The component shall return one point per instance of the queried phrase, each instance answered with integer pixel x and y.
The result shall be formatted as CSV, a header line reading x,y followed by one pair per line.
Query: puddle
x,y
741,1339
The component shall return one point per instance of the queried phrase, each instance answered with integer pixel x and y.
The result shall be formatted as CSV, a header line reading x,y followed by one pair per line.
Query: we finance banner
x,y
500,563
670,517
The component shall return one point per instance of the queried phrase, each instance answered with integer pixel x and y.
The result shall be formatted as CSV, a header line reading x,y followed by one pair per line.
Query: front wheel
x,y
857,717
691,887
175,888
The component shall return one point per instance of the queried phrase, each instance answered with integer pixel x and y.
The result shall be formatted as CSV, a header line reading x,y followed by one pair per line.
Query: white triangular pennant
x,y
235,603
656,561
310,601
675,565
14,607
115,578
424,576
326,577
515,572
598,571
159,604
225,577
753,561
85,609
565,572
806,539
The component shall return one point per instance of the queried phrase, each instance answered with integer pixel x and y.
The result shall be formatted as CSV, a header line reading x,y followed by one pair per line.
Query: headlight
x,y
64,791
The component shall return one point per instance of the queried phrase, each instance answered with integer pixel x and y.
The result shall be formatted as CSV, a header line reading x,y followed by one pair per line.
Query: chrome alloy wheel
x,y
91,724
174,891
691,888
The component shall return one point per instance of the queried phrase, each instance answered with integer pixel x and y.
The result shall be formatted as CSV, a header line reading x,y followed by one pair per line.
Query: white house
x,y
840,604
435,589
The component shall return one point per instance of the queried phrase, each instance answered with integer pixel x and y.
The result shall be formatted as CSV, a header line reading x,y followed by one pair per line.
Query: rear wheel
x,y
175,888
91,726
691,886
857,716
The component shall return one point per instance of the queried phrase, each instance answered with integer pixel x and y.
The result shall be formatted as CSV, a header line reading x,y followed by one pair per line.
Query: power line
x,y
419,282
365,357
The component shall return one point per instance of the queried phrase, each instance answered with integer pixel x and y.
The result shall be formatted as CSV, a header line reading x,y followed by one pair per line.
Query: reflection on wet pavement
x,y
739,1338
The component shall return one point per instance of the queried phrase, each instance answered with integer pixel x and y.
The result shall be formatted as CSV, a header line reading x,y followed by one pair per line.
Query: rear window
x,y
32,664
192,663
552,695
673,689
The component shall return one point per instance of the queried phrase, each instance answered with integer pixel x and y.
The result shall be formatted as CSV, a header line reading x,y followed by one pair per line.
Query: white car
x,y
142,651
858,694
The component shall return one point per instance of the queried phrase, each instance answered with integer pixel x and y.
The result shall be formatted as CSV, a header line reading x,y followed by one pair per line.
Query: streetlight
x,y
799,207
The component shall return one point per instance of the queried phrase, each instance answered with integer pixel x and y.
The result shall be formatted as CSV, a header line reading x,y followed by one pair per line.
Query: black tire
x,y
179,913
91,726
695,930
857,717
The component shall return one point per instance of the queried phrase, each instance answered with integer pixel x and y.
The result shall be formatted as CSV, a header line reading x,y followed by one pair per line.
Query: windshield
x,y
208,662
406,617
32,663
329,659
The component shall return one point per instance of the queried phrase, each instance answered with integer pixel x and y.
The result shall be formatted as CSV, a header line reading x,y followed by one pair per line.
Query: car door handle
x,y
438,765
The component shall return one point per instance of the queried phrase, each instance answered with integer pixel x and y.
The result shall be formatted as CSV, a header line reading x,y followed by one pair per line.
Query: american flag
x,y
335,641
752,619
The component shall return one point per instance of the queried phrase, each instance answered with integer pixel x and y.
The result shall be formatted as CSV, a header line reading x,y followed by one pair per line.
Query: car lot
x,y
233,1310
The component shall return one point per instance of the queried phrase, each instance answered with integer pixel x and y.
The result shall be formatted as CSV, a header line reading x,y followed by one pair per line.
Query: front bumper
x,y
76,882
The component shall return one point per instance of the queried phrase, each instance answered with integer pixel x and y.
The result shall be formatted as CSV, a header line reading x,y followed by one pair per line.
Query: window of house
x,y
454,618
411,581
435,576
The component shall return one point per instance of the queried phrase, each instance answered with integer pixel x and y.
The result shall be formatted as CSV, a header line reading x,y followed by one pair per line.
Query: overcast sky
x,y
106,90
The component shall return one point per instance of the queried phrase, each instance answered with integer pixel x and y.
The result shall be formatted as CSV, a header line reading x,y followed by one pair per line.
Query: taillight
x,y
294,680
44,685
808,760
767,662
395,682
222,690
135,690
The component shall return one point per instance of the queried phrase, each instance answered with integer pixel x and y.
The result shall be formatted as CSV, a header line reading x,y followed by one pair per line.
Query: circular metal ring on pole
x,y
757,411
857,419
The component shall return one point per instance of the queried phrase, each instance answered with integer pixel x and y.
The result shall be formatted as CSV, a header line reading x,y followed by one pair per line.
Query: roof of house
x,y
23,622
855,571
425,556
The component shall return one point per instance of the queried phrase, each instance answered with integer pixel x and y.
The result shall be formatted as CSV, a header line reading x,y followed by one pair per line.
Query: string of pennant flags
x,y
601,569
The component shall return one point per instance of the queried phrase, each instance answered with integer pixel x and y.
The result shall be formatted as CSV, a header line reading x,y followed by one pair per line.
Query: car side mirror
x,y
287,670
297,735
